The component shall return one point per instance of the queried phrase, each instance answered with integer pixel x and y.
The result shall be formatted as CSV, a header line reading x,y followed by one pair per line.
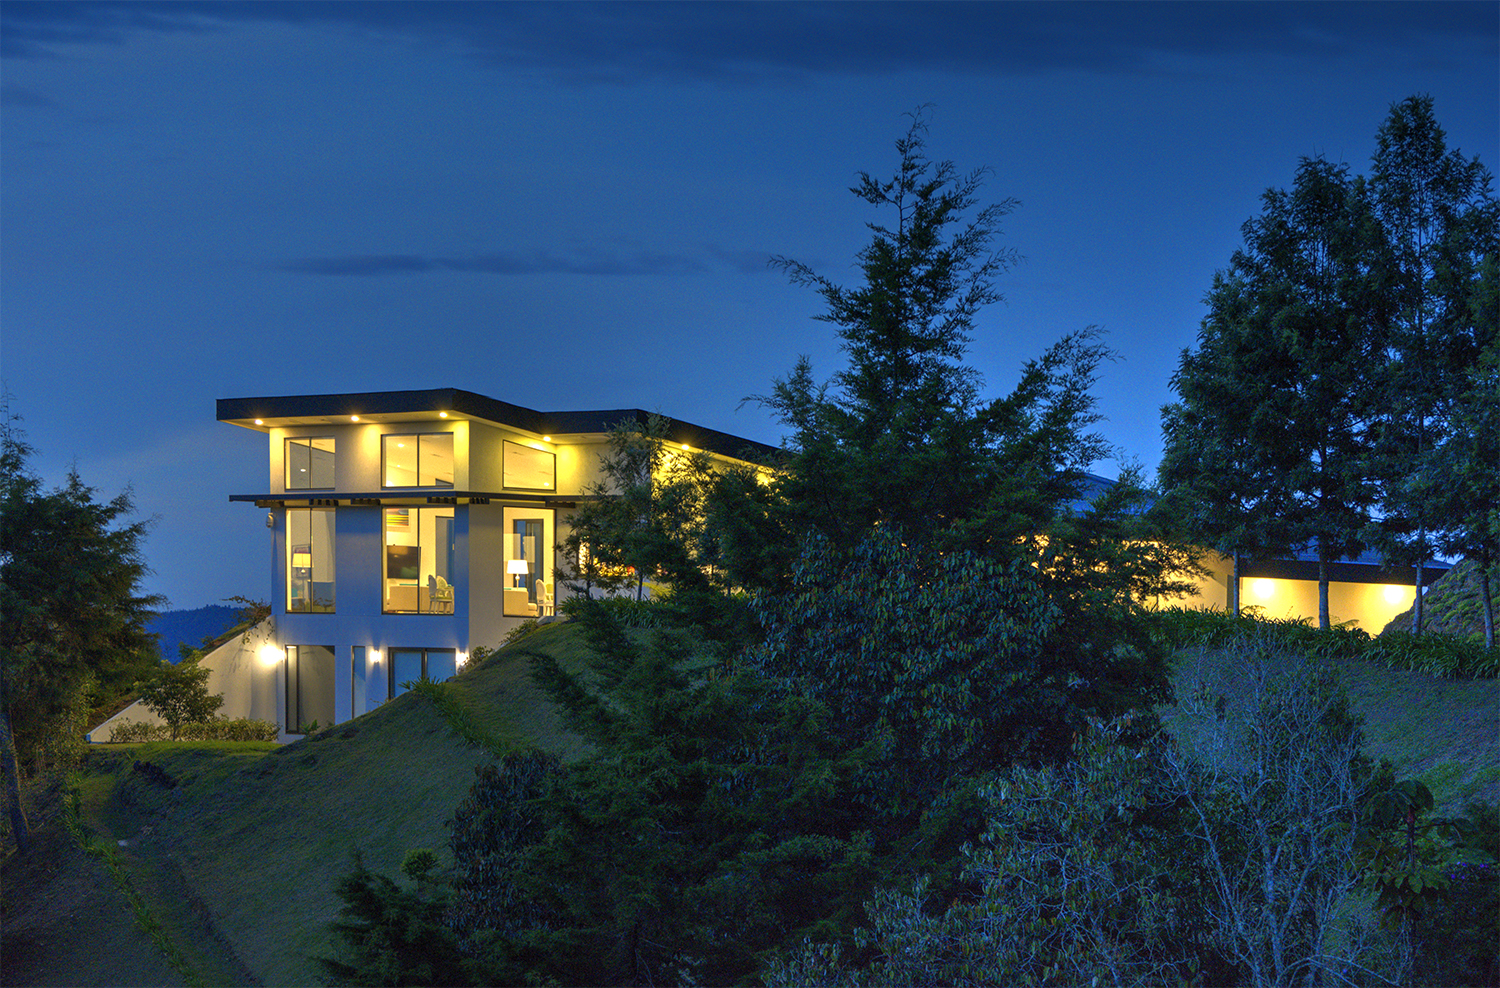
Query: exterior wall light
x,y
1394,594
354,418
1263,589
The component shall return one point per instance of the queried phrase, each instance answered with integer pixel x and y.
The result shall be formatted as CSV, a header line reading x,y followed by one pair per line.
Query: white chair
x,y
544,599
440,591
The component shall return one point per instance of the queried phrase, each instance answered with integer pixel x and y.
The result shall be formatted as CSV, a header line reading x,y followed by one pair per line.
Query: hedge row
x,y
218,729
1436,653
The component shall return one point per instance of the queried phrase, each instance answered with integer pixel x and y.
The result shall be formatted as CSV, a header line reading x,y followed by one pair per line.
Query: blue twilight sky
x,y
571,205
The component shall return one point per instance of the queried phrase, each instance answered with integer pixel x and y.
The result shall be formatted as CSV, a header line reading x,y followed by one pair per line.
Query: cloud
x,y
538,262
18,97
630,41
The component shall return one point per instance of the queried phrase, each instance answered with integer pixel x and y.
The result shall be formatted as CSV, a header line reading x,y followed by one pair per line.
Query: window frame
x,y
331,555
418,437
391,685
286,463
505,483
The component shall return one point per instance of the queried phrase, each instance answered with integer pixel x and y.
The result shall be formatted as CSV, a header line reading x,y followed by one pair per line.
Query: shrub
x,y
1432,652
1436,653
218,729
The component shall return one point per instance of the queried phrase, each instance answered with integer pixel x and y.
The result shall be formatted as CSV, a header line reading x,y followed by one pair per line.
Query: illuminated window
x,y
309,463
424,460
419,569
310,579
529,469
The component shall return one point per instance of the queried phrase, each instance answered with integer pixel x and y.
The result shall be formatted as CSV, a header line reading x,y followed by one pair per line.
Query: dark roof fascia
x,y
1339,572
678,431
491,410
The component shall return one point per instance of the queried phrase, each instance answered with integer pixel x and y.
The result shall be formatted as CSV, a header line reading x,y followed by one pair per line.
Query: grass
x,y
262,833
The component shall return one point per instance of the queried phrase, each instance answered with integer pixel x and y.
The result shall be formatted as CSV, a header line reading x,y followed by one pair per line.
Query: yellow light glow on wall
x,y
1262,588
1394,594
463,657
270,654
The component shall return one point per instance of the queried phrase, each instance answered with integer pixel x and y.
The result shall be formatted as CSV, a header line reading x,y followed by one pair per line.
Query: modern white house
x,y
407,528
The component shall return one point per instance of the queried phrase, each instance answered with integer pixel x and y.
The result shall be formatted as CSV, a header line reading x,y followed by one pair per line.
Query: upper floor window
x,y
529,469
420,460
310,580
309,463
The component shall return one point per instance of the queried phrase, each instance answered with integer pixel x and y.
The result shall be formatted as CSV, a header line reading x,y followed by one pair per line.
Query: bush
x,y
218,729
1432,652
1436,653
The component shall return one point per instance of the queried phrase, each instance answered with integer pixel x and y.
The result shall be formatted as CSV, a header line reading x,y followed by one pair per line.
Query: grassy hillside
x,y
1453,604
1444,731
240,860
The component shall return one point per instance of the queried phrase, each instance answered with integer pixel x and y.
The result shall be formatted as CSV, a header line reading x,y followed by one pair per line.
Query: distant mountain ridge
x,y
191,627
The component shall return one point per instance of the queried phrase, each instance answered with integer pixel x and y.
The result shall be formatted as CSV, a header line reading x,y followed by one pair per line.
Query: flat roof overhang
x,y
1339,572
264,414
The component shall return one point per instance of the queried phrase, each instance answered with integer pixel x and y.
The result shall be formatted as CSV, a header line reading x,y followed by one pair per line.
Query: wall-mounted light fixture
x,y
1262,588
1394,594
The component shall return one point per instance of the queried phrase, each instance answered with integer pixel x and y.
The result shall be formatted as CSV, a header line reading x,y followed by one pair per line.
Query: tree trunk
x,y
18,825
1416,607
1489,606
1323,588
1234,586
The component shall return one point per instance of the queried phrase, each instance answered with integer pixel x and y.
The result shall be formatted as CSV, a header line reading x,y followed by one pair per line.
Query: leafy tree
x,y
1440,234
1078,878
645,516
1285,351
70,602
178,694
716,819
394,935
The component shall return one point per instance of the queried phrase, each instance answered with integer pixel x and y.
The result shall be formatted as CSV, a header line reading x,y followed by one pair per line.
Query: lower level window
x,y
309,687
410,664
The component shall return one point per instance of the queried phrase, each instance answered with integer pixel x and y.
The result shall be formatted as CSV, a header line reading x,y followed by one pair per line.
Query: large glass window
x,y
309,463
411,664
309,560
528,469
309,687
419,570
424,460
529,588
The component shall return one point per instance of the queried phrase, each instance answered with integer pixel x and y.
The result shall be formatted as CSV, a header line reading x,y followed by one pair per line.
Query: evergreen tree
x,y
895,438
1276,406
70,602
1439,224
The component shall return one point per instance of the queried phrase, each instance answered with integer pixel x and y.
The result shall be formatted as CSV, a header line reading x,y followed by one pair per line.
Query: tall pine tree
x,y
1276,406
1438,224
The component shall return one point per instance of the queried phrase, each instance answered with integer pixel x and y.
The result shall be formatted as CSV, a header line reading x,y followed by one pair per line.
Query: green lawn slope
x,y
262,836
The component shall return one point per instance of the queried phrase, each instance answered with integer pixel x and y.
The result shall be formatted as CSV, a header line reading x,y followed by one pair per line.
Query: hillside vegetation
x,y
240,859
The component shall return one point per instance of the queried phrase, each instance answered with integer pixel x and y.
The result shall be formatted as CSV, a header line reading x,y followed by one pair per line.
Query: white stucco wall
x,y
246,670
